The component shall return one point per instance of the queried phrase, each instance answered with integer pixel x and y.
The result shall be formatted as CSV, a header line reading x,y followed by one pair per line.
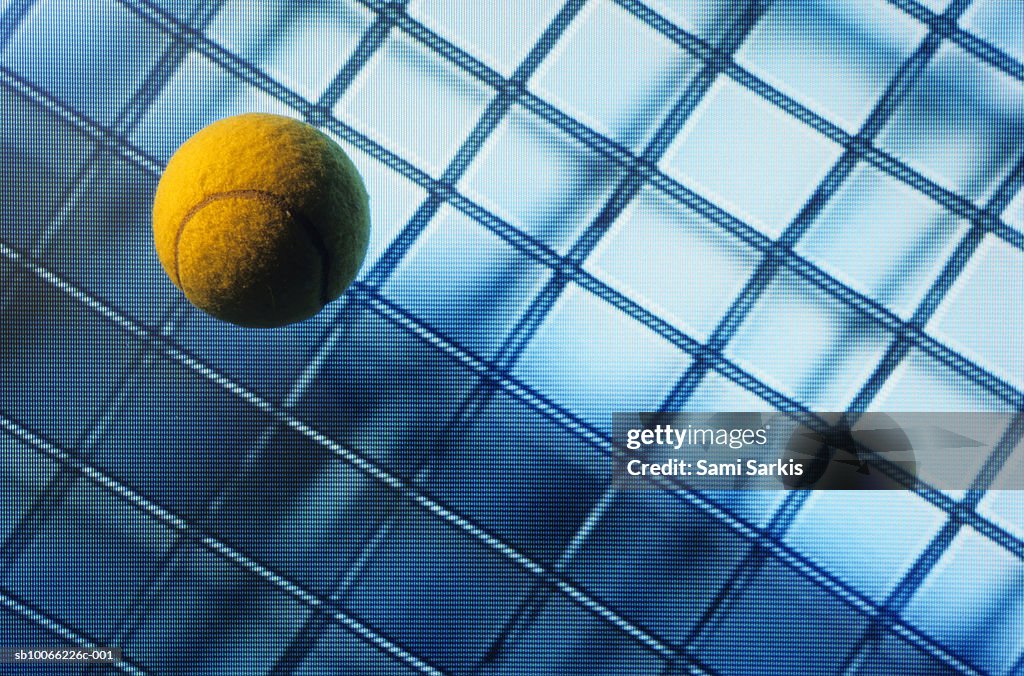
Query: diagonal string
x,y
954,203
439,190
370,42
746,573
11,19
513,347
56,490
388,310
389,261
211,543
37,617
520,240
946,25
904,591
523,242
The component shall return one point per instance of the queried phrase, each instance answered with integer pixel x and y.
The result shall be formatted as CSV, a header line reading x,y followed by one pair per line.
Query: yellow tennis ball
x,y
261,220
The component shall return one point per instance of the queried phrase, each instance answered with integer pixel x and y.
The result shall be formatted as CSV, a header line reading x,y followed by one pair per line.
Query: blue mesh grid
x,y
578,208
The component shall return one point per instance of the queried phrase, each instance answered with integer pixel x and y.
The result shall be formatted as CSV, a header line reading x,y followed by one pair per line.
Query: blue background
x,y
577,208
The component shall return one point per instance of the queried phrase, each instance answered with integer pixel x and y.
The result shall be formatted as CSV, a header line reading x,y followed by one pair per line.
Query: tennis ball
x,y
261,220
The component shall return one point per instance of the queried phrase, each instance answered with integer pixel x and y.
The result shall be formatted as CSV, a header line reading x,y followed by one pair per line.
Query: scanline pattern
x,y
906,338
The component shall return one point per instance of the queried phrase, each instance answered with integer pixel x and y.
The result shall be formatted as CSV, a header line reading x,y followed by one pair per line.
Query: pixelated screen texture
x,y
578,208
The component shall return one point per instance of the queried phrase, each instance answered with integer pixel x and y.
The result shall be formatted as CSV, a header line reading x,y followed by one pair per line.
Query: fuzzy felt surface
x,y
260,220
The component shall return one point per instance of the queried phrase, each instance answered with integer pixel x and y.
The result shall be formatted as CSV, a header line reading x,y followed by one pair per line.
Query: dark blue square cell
x,y
24,475
783,619
302,511
385,392
439,593
104,241
40,158
649,556
960,124
92,558
520,474
568,640
208,616
61,362
17,631
177,437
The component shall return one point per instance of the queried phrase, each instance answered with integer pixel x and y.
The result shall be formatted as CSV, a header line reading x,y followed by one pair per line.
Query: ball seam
x,y
312,233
